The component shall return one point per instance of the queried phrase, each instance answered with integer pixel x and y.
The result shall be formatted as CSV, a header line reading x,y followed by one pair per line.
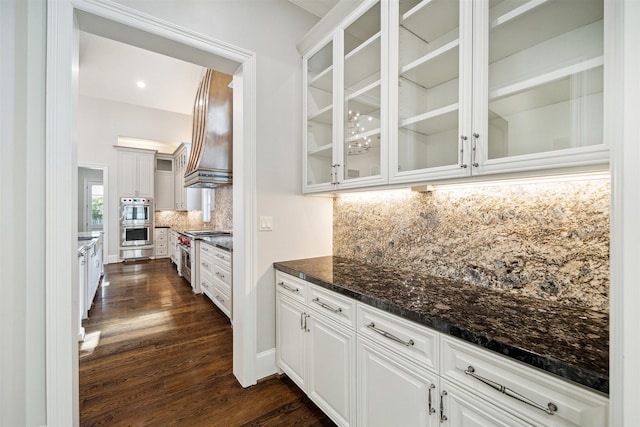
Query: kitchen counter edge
x,y
582,376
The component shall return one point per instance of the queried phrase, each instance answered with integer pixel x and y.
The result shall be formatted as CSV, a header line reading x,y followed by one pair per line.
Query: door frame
x,y
61,101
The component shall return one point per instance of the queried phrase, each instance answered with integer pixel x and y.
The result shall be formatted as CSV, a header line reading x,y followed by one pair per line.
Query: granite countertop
x,y
162,226
222,242
570,342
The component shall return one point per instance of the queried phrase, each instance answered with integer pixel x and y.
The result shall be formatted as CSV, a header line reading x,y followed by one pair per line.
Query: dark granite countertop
x,y
162,226
569,342
222,242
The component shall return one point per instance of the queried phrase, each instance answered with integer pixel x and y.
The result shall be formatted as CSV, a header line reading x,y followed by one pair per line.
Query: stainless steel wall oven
x,y
136,228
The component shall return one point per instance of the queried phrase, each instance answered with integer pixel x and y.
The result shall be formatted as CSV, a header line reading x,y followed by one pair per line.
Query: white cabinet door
x,y
461,409
127,171
164,190
136,173
392,391
145,170
538,84
345,104
290,339
331,368
431,71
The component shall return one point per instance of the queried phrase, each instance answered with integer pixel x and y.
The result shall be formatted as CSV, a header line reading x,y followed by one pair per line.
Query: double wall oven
x,y
136,228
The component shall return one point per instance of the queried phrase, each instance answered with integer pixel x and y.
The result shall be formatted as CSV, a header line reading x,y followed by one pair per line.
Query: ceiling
x,y
111,70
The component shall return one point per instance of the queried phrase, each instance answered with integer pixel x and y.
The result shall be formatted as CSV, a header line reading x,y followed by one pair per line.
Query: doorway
x,y
65,20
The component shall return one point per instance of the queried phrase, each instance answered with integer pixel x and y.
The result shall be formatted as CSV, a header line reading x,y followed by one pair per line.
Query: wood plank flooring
x,y
158,355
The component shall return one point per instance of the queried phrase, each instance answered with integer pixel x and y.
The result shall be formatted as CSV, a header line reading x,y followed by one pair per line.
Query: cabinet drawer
x,y
221,255
222,300
222,274
291,286
206,286
417,343
206,265
332,304
472,368
161,236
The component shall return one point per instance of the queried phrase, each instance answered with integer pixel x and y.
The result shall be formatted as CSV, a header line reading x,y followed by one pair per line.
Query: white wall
x,y
270,28
22,269
100,122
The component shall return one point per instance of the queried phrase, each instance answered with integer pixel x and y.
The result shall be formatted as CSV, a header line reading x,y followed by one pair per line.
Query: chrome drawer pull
x,y
386,334
289,288
327,306
443,417
550,409
432,410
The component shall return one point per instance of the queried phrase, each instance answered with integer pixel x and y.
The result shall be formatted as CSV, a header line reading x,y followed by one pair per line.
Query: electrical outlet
x,y
266,223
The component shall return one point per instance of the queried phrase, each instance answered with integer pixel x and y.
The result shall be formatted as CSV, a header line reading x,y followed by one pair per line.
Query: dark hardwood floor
x,y
158,355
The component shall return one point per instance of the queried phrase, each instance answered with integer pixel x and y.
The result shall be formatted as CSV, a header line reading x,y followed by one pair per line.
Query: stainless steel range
x,y
186,243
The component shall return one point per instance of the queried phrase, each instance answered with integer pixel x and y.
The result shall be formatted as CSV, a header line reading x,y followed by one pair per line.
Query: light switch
x,y
266,223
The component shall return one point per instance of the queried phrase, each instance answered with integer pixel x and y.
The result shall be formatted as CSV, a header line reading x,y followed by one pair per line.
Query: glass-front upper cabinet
x,y
346,102
363,143
319,72
540,103
432,68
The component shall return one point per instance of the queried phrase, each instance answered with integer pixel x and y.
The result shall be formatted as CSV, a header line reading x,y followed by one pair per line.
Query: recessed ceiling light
x,y
141,84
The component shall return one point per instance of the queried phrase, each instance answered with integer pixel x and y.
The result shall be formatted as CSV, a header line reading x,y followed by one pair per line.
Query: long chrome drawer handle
x,y
386,334
289,288
327,306
550,409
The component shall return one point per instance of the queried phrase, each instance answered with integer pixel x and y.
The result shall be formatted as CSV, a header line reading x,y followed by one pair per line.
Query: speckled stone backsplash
x,y
548,240
221,216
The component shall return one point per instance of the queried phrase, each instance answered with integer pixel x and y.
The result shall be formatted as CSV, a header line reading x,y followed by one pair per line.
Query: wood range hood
x,y
211,156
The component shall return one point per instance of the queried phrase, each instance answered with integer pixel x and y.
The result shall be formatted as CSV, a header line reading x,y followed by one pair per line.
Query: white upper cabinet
x,y
135,172
431,64
410,91
345,105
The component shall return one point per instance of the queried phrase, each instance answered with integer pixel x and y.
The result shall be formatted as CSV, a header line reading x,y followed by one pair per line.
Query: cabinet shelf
x,y
324,115
442,65
364,135
322,151
323,80
546,78
436,121
362,62
430,19
519,28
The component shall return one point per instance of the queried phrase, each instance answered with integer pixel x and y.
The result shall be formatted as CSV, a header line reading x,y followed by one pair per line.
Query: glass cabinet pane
x,y
362,86
320,116
545,76
428,86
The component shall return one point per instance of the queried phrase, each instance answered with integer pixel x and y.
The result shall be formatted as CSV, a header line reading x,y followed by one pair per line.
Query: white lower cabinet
x,y
290,336
317,352
393,391
409,375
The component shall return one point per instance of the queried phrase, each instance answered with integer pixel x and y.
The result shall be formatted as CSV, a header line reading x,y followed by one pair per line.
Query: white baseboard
x,y
266,364
113,259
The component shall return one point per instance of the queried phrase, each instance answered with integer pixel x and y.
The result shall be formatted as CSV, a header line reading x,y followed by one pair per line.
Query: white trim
x,y
622,127
61,331
244,225
266,364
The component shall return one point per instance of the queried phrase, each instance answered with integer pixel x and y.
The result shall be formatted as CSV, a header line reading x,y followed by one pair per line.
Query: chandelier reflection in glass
x,y
356,145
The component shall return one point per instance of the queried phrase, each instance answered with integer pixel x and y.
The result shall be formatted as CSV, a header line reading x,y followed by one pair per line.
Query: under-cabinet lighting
x,y
377,196
549,179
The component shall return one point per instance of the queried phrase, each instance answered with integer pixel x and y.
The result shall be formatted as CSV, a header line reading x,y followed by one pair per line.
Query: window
x,y
95,206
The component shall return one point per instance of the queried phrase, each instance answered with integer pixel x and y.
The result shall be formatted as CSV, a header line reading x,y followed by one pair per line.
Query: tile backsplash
x,y
545,240
221,215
